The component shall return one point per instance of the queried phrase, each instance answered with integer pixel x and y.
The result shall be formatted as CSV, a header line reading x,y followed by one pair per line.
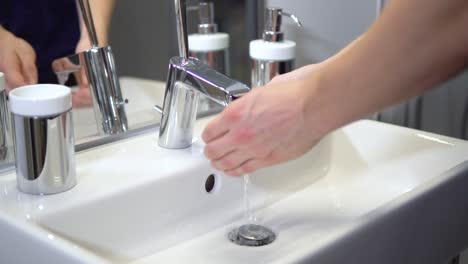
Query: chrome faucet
x,y
96,67
187,77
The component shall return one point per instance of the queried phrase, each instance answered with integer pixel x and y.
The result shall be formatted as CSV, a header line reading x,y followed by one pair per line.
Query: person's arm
x,y
102,14
17,60
412,47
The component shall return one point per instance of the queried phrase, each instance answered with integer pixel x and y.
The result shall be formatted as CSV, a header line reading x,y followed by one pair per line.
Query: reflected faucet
x,y
96,67
187,77
5,123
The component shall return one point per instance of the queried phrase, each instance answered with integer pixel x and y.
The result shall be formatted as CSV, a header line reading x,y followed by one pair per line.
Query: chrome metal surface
x,y
187,78
293,17
273,21
206,15
181,23
252,235
264,71
96,68
87,16
218,60
5,128
207,28
44,151
158,109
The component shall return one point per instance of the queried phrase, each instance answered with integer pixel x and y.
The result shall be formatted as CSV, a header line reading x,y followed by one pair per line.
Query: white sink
x,y
138,203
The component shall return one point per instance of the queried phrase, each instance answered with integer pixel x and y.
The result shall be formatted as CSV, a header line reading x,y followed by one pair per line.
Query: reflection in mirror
x,y
143,39
6,140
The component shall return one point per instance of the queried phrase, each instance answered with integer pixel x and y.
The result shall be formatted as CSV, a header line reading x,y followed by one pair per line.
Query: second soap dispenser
x,y
272,55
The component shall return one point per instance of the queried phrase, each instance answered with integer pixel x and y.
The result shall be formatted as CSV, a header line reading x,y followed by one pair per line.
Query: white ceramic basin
x,y
138,203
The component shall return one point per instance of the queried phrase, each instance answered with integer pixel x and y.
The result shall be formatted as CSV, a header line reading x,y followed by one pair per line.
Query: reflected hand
x,y
17,60
267,126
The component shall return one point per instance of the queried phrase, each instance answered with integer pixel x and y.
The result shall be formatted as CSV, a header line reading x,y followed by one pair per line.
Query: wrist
x,y
326,103
84,39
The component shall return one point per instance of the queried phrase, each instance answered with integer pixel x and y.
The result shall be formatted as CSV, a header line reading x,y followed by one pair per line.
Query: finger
x,y
13,74
28,64
77,76
84,78
250,166
29,72
231,160
214,130
234,139
57,66
254,164
219,126
81,98
218,148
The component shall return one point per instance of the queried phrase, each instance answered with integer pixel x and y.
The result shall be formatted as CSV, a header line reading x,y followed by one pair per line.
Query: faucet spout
x,y
206,80
188,78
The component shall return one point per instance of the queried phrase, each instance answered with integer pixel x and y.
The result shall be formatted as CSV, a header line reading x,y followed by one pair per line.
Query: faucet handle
x,y
158,109
122,103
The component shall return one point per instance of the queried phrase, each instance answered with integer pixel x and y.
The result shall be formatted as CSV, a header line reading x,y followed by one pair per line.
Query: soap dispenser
x,y
209,45
272,55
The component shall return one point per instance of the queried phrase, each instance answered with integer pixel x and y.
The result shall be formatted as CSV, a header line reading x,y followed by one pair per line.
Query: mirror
x,y
143,39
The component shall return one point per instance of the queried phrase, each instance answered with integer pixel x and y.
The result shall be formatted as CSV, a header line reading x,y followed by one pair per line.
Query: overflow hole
x,y
210,183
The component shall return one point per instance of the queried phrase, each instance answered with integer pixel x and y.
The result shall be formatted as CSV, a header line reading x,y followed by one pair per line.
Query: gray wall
x,y
143,36
330,24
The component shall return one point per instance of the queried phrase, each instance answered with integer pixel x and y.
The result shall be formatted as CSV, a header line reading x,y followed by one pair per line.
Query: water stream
x,y
249,216
250,233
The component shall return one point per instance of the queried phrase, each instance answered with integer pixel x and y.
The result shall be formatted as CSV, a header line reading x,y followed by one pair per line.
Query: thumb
x,y
13,74
28,65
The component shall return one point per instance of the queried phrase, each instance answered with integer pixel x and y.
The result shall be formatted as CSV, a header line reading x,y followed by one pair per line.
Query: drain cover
x,y
252,235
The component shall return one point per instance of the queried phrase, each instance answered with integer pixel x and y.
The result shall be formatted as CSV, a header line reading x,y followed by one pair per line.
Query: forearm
x,y
102,14
414,46
3,32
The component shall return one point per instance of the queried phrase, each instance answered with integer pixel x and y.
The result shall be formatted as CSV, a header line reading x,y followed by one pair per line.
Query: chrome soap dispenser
x,y
209,45
272,55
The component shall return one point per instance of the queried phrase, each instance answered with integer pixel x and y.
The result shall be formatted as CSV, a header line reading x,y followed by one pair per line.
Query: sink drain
x,y
251,235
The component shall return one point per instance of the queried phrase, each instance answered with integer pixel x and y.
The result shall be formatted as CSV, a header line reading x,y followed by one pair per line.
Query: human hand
x,y
267,126
17,60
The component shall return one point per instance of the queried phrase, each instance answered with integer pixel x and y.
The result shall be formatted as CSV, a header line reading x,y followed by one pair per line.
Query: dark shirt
x,y
50,26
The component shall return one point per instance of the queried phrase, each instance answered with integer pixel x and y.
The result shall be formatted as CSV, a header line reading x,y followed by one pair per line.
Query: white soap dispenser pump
x,y
272,55
209,45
